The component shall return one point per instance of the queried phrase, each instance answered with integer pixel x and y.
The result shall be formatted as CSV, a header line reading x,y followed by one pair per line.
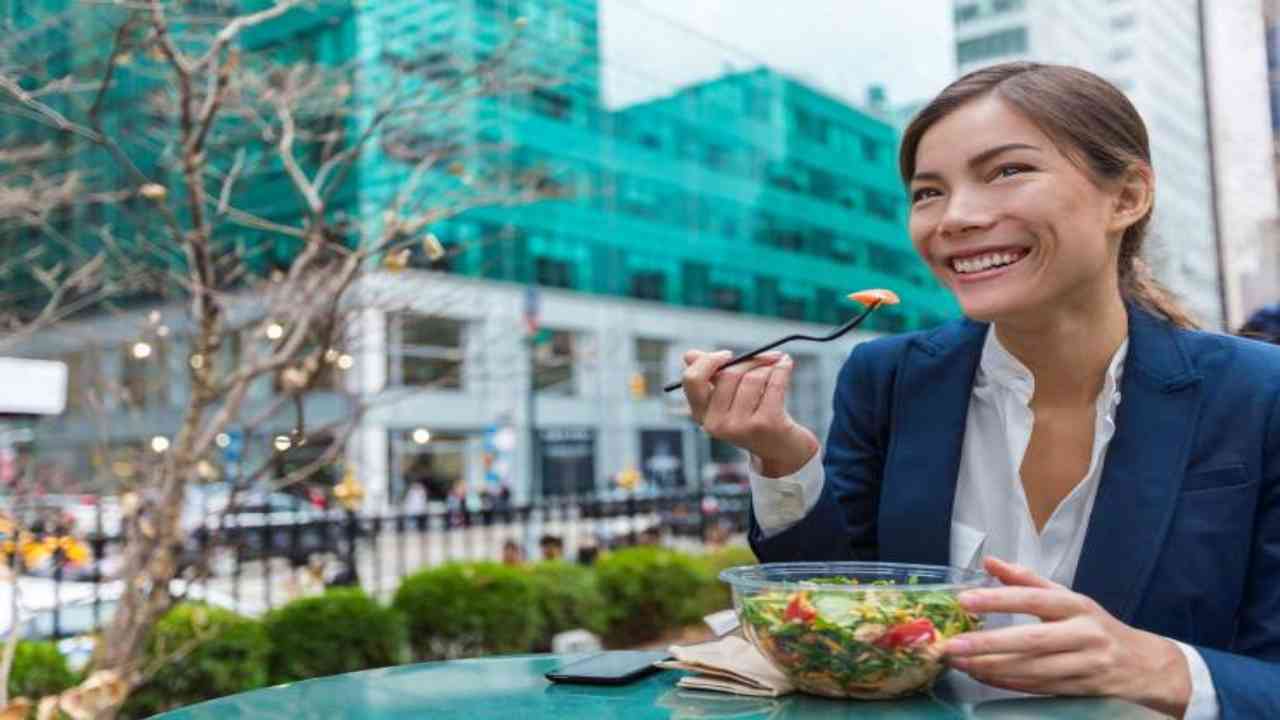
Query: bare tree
x,y
233,171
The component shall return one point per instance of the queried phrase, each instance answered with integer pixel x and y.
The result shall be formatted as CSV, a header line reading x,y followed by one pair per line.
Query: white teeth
x,y
978,264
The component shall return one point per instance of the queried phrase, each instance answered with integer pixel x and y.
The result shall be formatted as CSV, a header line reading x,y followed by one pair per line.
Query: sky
x,y
651,47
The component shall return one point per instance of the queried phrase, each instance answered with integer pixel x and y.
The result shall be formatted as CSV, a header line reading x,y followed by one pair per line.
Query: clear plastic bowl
x,y
861,630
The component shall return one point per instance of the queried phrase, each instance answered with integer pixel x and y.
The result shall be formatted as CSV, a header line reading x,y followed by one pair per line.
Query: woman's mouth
x,y
980,266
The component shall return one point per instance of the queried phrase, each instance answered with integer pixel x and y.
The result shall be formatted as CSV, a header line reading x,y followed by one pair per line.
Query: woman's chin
x,y
991,308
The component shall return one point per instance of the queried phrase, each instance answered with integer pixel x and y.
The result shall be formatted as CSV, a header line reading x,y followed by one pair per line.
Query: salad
x,y
878,643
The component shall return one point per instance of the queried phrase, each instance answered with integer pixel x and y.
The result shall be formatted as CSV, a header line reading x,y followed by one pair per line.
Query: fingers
x,y
699,367
1011,574
1040,638
755,381
1045,603
773,402
732,402
1028,672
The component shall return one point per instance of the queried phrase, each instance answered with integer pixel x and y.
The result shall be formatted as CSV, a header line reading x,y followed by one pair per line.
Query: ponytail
x,y
1137,284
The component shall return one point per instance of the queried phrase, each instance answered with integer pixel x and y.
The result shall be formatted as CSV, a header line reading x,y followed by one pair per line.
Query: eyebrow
x,y
978,159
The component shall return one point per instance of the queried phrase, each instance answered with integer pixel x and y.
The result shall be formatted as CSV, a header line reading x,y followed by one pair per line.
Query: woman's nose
x,y
965,211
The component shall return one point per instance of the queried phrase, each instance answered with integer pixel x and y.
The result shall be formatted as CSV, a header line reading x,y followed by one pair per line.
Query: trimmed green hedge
x,y
649,591
716,594
343,630
39,670
200,653
466,610
569,598
629,596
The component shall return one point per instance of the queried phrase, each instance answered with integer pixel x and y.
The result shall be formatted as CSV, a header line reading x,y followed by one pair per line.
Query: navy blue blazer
x,y
1184,538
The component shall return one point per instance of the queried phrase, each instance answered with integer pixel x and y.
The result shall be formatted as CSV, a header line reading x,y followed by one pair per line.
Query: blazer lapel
x,y
931,403
1141,477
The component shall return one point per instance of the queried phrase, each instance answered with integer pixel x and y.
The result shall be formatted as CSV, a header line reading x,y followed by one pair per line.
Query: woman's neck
x,y
1068,353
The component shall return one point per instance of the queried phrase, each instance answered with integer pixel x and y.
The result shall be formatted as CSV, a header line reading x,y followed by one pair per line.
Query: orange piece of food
x,y
875,297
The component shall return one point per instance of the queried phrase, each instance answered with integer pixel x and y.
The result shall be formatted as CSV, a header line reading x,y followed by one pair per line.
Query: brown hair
x,y
1092,123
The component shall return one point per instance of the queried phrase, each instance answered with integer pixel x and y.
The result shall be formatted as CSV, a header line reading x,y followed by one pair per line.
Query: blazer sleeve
x,y
842,525
1247,678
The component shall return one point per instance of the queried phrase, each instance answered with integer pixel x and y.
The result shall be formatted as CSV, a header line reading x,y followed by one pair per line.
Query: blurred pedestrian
x,y
552,547
512,553
1263,324
415,500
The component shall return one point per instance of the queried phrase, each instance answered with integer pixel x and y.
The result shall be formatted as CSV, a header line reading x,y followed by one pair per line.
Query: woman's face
x,y
1008,222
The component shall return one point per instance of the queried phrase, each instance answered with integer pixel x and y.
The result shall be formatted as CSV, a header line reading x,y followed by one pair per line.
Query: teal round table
x,y
513,688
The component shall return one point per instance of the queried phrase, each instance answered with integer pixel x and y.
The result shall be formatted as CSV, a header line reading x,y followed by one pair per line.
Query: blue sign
x,y
233,452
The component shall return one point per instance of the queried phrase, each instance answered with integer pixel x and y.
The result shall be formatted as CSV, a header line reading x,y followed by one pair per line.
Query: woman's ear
x,y
1135,194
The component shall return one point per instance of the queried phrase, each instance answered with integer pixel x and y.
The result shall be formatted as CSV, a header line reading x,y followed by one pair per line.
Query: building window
x,y
870,150
811,127
553,361
828,307
425,351
881,206
1123,22
651,362
648,286
965,13
724,297
890,261
550,272
791,308
427,462
822,184
568,458
551,103
1004,42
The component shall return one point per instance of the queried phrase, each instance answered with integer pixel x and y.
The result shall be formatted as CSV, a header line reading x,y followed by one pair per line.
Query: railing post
x,y
352,532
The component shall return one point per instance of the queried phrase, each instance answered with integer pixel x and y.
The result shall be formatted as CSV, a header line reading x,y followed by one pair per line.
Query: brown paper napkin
x,y
730,665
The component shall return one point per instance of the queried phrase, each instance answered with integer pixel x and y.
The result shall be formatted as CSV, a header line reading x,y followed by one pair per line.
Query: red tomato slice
x,y
907,634
875,297
799,610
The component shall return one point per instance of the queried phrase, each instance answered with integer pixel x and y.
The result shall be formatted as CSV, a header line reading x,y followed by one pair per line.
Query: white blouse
x,y
990,516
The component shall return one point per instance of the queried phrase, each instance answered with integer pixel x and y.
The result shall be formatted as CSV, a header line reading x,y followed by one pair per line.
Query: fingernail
x,y
969,600
724,353
785,361
959,646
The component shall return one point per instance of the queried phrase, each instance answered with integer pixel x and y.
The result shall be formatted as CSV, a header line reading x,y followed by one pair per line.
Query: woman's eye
x,y
1008,170
923,194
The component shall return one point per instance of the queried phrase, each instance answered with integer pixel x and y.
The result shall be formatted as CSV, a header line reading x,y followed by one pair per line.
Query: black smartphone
x,y
612,667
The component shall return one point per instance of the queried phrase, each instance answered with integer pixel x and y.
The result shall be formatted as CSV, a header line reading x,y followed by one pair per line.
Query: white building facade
x,y
447,377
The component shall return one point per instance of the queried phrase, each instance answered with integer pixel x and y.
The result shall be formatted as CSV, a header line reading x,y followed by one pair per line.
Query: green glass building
x,y
750,193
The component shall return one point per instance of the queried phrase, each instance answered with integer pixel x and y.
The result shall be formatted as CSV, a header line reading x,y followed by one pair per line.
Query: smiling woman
x,y
1145,531
1058,151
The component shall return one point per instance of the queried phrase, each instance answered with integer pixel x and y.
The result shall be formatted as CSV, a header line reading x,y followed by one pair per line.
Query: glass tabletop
x,y
513,688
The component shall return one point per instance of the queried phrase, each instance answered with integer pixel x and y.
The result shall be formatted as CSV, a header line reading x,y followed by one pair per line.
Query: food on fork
x,y
877,296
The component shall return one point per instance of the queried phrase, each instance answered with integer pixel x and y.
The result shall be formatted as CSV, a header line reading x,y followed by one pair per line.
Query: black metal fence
x,y
252,557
